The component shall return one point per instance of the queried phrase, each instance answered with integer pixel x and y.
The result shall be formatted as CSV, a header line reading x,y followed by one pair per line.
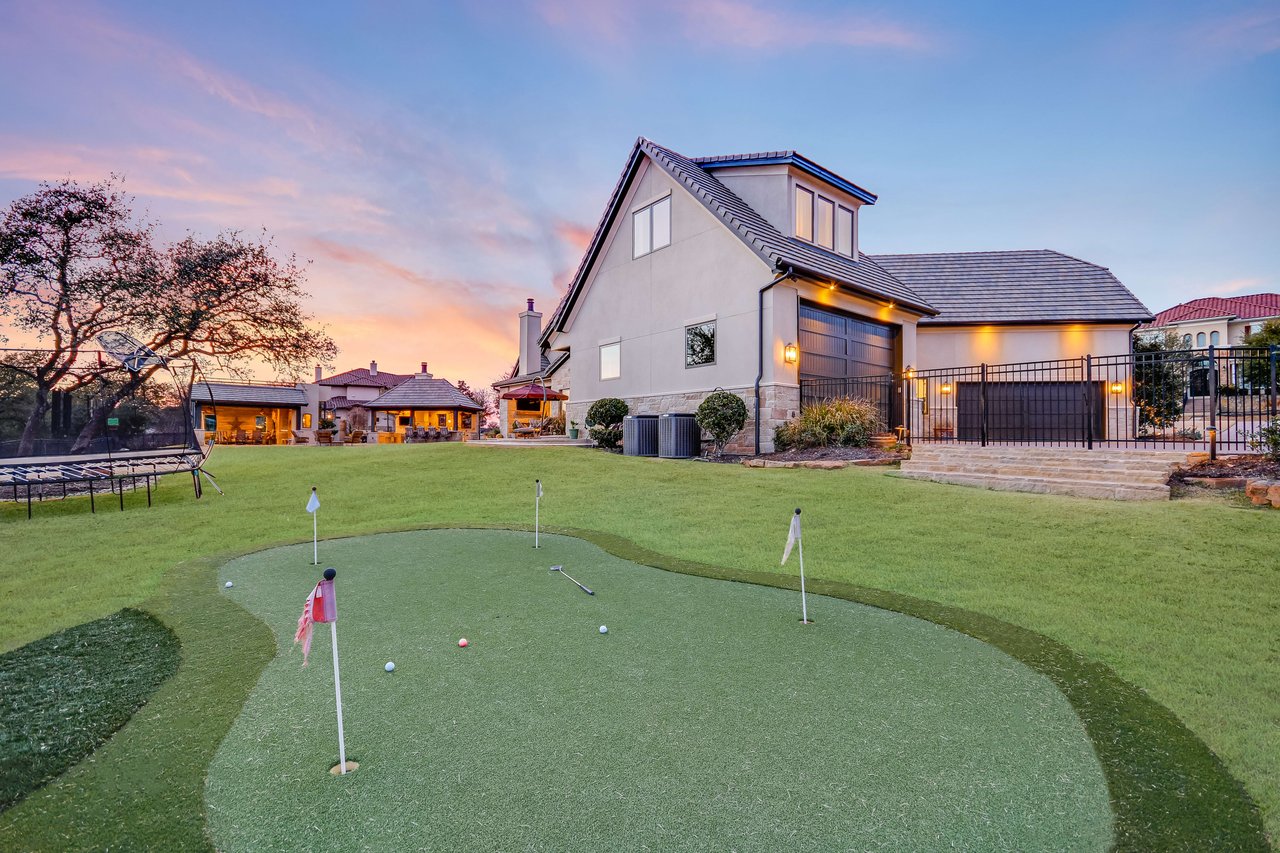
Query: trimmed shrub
x,y
722,414
604,421
841,422
1267,440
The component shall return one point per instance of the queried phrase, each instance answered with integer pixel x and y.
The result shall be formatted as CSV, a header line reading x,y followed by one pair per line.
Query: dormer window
x,y
823,222
651,227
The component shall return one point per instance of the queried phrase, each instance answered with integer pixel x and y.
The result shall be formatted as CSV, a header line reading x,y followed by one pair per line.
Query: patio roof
x,y
232,393
422,392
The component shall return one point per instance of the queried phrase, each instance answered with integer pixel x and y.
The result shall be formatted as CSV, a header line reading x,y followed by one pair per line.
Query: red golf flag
x,y
321,606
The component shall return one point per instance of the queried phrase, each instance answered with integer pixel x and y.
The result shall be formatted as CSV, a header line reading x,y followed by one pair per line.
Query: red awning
x,y
533,392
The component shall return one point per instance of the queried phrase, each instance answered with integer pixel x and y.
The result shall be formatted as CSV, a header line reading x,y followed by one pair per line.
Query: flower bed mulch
x,y
835,454
1251,467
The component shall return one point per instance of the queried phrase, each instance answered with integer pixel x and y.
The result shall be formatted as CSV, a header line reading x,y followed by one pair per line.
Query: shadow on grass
x,y
145,788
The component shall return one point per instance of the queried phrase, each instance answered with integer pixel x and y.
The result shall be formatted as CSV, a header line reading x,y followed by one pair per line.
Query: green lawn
x,y
707,704
1179,598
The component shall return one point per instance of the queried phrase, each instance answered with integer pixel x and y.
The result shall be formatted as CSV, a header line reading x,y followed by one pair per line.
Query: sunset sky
x,y
440,162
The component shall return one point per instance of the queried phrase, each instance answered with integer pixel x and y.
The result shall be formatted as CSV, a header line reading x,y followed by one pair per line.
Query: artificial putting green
x,y
707,717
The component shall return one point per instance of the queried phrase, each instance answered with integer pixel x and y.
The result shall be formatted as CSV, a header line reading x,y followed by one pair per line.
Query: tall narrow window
x,y
844,231
1200,339
1213,338
1186,342
826,223
700,344
804,214
611,361
651,227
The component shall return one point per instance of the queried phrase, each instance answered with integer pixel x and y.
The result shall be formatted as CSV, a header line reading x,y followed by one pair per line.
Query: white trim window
x,y
823,222
651,228
700,344
611,360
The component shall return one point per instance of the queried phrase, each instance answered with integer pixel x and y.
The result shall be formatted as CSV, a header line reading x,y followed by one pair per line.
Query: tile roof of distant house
x,y
360,376
1035,286
789,158
776,250
232,393
1253,306
420,392
337,403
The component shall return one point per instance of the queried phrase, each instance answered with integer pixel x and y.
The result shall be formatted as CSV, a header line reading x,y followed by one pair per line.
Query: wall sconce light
x,y
790,354
1117,387
946,388
911,372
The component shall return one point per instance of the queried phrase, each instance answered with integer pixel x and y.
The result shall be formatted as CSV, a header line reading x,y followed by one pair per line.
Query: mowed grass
x,y
1180,598
707,717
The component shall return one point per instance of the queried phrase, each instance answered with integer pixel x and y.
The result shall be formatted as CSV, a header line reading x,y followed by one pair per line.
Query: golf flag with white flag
x,y
794,539
537,501
312,505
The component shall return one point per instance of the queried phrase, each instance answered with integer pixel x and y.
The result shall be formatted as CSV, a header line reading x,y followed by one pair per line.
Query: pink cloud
x,y
1252,33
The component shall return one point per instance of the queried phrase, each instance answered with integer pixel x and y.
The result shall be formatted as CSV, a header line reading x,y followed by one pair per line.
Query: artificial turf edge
x,y
1168,790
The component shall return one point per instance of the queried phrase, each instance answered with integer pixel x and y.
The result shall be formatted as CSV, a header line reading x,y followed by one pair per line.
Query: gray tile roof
x,y
766,241
1035,286
419,392
252,395
790,158
360,377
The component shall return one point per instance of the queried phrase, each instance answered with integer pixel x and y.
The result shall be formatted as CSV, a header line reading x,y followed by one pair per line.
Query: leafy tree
x,y
74,264
723,415
483,397
1257,371
1160,373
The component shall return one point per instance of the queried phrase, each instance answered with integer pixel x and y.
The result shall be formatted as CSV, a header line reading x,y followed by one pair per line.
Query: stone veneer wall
x,y
778,404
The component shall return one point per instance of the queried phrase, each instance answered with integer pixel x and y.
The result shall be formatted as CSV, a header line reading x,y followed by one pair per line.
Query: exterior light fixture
x,y
1117,387
790,354
946,388
910,372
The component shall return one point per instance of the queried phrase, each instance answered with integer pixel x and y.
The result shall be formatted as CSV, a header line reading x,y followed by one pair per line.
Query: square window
x,y
211,423
661,223
700,344
611,361
844,231
826,222
804,214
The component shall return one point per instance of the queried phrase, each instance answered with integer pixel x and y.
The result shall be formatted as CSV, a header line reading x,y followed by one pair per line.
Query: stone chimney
x,y
530,331
423,372
373,368
319,375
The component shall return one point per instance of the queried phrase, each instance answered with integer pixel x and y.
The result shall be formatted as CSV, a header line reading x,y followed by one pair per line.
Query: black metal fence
x,y
880,390
1205,399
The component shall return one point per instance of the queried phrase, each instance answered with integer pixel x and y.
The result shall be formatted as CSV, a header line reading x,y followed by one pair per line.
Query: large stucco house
x,y
1217,320
745,272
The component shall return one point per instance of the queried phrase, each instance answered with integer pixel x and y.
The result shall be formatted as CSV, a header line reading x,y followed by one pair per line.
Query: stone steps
x,y
1109,474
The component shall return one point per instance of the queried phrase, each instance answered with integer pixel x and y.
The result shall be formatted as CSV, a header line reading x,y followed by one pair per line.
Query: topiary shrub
x,y
604,421
841,422
723,415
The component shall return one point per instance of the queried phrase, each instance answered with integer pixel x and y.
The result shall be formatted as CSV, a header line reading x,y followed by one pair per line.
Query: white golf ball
x,y
227,584
604,629
390,667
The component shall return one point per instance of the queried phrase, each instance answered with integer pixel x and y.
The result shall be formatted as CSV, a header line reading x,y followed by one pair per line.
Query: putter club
x,y
561,570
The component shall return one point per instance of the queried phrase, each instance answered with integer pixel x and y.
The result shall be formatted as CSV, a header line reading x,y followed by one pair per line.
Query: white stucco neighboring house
x,y
1220,321
744,272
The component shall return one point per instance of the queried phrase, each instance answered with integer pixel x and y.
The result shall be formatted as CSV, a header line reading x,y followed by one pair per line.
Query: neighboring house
x,y
744,272
337,396
425,401
1217,321
247,413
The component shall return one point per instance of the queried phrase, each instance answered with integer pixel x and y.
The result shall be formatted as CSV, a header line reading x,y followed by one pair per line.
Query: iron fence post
x,y
1088,402
1213,389
982,406
1272,351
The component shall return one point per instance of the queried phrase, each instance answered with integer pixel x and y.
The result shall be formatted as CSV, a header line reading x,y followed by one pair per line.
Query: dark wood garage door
x,y
1029,411
846,356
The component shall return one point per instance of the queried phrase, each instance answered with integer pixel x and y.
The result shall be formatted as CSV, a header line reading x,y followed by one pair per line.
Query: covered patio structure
x,y
530,405
247,413
427,403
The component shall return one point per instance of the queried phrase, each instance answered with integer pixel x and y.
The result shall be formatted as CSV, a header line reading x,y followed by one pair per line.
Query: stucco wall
x,y
959,346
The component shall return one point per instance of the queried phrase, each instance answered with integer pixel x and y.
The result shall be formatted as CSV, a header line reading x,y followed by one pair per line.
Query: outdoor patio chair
x,y
300,437
356,437
433,434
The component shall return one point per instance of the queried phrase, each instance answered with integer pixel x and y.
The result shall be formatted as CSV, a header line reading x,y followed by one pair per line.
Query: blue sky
x,y
437,163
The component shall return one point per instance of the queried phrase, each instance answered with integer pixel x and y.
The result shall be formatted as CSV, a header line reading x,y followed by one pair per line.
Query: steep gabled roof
x,y
421,392
232,393
1254,306
777,251
1036,286
788,158
550,364
360,376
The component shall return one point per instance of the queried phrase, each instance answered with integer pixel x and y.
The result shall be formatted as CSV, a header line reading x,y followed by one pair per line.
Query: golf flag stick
x,y
312,506
337,679
537,500
322,606
794,538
